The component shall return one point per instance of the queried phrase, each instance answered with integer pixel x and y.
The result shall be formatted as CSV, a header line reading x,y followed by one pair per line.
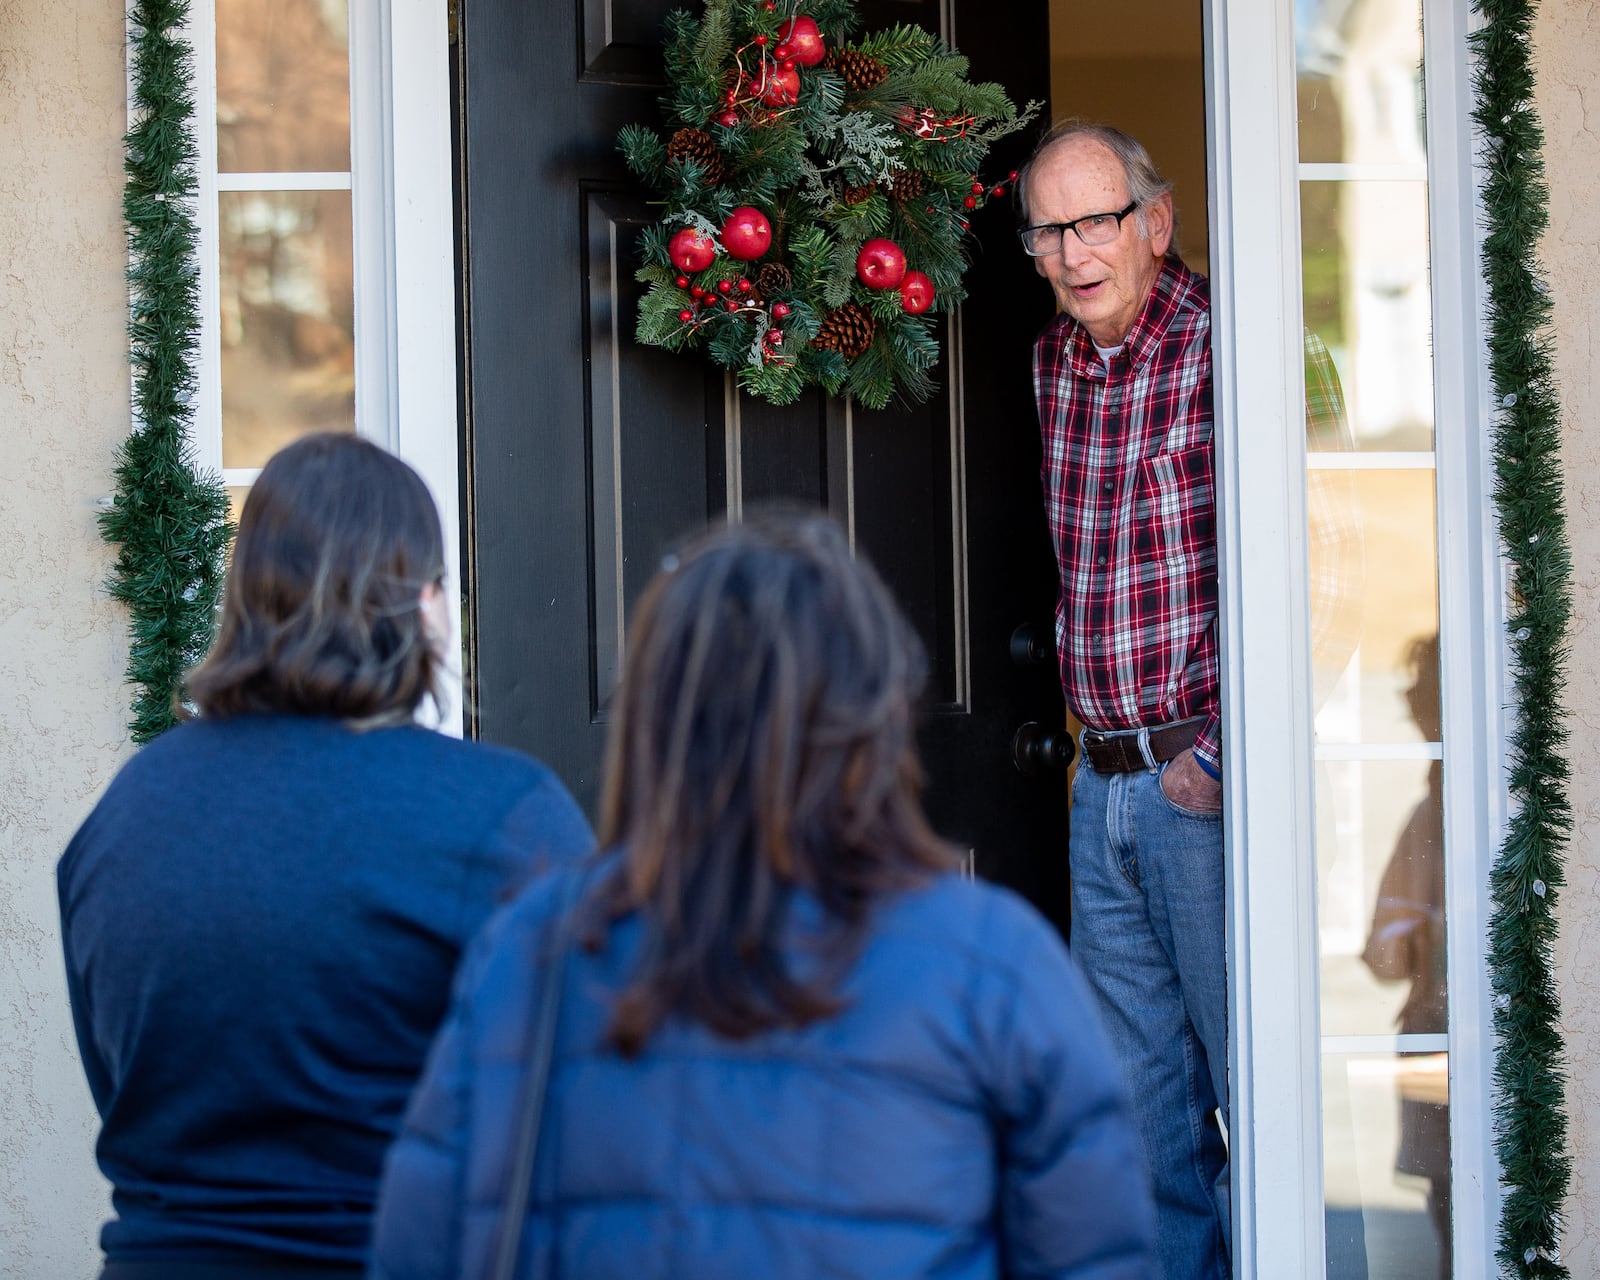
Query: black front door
x,y
589,455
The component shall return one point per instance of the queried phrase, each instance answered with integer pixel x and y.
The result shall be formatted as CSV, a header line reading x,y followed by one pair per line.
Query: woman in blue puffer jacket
x,y
791,1040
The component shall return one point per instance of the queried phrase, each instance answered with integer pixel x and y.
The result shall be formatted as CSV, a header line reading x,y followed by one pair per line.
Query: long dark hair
x,y
763,741
322,612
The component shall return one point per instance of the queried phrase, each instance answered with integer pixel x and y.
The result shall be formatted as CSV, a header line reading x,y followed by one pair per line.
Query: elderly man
x,y
1123,381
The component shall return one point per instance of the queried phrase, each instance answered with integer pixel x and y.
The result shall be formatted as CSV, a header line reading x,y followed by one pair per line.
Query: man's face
x,y
1101,286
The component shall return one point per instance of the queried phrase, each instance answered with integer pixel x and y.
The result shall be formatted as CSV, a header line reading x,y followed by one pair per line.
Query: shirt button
x,y
1099,559
1106,486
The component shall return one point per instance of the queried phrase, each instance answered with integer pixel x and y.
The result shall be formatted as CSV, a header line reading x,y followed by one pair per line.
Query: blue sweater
x,y
960,1120
261,918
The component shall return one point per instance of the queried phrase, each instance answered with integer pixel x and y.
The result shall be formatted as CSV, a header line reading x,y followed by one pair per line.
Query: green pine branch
x,y
1530,1066
170,523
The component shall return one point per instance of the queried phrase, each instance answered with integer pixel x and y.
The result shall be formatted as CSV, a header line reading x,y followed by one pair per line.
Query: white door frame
x,y
1276,1138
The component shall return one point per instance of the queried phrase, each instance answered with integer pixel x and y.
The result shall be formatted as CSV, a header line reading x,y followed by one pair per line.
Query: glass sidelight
x,y
1375,621
286,287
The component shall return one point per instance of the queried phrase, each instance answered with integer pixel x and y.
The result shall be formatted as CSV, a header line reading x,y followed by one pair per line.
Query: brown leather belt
x,y
1120,752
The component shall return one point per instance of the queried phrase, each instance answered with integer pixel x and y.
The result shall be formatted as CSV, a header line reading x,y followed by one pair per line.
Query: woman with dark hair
x,y
791,1041
263,914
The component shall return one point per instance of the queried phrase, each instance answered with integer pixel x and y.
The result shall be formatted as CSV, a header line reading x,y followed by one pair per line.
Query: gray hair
x,y
1145,182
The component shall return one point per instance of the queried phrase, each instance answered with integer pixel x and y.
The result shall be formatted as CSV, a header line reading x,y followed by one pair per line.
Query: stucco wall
x,y
1567,44
63,406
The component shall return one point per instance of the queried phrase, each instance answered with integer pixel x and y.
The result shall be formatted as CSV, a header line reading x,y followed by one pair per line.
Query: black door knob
x,y
1037,750
1032,645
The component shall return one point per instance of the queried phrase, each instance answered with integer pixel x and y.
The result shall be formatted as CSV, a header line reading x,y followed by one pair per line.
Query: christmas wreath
x,y
817,190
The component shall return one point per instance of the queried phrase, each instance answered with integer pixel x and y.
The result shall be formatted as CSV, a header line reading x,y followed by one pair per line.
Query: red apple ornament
x,y
916,293
780,88
881,264
804,41
747,234
691,251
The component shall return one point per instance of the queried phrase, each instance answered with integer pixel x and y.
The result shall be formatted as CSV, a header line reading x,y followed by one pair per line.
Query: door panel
x,y
588,455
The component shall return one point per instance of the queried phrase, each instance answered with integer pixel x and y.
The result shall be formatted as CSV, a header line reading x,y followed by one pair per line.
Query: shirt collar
x,y
1175,288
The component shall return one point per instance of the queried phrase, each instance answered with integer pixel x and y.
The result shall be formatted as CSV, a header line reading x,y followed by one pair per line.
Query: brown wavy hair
x,y
322,611
763,742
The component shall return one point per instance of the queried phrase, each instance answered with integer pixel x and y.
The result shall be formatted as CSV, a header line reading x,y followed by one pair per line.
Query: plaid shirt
x,y
1129,486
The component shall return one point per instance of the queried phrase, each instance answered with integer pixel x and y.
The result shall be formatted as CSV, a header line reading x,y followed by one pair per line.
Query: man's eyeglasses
x,y
1093,229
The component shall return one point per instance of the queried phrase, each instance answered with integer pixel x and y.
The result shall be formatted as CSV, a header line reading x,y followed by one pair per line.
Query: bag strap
x,y
530,1105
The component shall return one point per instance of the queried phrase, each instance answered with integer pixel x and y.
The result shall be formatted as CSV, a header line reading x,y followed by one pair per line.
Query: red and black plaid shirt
x,y
1129,487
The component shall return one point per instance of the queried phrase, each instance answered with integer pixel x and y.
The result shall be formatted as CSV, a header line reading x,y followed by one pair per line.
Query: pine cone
x,y
860,71
848,331
855,195
907,185
697,145
773,278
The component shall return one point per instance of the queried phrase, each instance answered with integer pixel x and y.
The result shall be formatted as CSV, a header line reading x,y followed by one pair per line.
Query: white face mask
x,y
436,618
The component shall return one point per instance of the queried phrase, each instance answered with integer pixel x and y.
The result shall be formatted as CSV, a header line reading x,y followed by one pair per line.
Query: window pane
x,y
1360,82
1370,626
1380,897
283,86
1364,255
1386,1164
288,354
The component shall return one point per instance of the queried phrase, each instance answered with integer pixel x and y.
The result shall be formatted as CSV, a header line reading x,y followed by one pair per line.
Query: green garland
x,y
1530,1111
171,522
817,190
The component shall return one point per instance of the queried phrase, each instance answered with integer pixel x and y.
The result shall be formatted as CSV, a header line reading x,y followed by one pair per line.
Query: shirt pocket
x,y
1175,506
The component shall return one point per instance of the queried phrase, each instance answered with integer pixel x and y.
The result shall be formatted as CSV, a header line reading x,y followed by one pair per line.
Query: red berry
x,y
779,310
697,292
787,64
977,188
723,286
769,5
782,51
682,282
731,97
761,39
998,190
971,202
728,119
1012,176
686,316
745,286
930,208
731,305
963,225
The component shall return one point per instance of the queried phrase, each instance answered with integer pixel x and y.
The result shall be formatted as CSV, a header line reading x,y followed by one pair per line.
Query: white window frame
x,y
1276,1138
404,263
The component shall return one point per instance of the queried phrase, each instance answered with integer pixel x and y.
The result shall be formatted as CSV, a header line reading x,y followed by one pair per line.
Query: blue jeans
x,y
1147,931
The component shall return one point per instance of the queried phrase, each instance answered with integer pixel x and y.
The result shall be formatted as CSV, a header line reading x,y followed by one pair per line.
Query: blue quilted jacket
x,y
959,1120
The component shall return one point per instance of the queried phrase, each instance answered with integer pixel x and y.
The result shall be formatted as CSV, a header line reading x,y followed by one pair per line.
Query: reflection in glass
x,y
1386,1165
1336,548
1360,81
1364,256
1399,602
287,320
1380,897
283,86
